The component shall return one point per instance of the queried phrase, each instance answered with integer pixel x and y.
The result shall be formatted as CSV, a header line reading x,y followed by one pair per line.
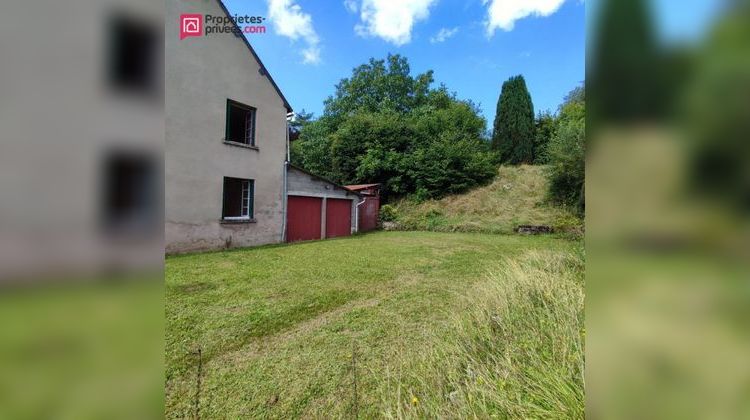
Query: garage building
x,y
318,208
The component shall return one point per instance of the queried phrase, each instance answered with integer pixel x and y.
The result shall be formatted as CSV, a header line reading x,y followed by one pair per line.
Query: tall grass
x,y
518,196
516,351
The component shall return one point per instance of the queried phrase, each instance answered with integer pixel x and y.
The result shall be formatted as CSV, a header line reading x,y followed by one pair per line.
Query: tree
x,y
624,77
717,117
513,135
566,152
545,125
300,120
312,149
379,85
384,125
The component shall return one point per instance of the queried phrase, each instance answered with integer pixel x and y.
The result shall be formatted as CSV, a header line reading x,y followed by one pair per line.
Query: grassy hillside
x,y
516,197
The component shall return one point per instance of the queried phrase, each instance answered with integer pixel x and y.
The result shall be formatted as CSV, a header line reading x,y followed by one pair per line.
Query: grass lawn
x,y
401,324
79,348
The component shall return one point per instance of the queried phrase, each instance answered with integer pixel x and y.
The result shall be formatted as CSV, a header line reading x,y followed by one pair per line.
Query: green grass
x,y
82,349
516,197
515,350
290,331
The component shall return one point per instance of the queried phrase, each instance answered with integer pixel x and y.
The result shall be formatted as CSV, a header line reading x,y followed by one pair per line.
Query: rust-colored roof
x,y
360,186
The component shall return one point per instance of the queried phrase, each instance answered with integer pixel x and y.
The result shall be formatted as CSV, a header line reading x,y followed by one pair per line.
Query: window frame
x,y
247,203
252,143
121,27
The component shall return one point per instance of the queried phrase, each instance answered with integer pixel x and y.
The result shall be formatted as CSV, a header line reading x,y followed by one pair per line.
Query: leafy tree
x,y
301,119
545,125
566,152
624,78
717,116
384,125
573,107
379,85
312,149
514,133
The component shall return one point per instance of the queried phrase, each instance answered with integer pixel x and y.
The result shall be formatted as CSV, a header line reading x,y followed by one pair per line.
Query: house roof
x,y
263,69
360,186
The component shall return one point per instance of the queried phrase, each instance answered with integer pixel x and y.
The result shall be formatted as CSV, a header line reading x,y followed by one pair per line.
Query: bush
x,y
388,213
566,153
546,124
567,166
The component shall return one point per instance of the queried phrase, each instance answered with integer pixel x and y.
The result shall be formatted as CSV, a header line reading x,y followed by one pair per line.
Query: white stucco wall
x,y
201,74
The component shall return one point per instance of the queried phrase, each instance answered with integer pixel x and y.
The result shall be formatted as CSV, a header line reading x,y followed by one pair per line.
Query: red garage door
x,y
303,218
338,217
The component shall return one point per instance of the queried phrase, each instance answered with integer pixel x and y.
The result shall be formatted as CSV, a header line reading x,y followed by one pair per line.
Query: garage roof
x,y
323,179
360,186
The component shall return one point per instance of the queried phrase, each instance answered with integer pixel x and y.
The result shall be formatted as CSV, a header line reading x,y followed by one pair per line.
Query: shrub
x,y
388,213
566,153
567,169
545,125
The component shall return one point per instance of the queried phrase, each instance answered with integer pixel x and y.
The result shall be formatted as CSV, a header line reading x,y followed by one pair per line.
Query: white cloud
x,y
351,6
290,21
443,34
392,20
311,55
503,14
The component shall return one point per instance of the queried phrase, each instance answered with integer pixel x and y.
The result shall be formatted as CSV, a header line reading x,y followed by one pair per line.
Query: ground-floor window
x,y
238,199
130,192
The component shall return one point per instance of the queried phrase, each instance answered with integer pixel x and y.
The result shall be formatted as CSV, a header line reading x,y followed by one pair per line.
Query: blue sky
x,y
311,44
676,22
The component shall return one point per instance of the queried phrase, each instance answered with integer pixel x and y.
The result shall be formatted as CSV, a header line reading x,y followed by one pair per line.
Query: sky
x,y
676,22
471,45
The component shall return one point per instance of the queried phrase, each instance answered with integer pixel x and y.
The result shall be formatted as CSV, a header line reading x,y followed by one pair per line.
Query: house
x,y
226,142
81,195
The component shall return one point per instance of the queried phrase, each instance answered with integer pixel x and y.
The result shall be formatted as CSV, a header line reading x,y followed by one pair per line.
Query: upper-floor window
x,y
134,55
240,123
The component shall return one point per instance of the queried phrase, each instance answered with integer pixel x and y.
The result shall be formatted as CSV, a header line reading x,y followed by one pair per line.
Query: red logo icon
x,y
191,25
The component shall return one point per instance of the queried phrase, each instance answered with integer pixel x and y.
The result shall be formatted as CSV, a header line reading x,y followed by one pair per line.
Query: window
x,y
134,55
240,123
131,194
238,199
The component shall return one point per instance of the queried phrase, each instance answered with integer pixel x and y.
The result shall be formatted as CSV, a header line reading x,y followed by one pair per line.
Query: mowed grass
x,y
516,197
388,324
